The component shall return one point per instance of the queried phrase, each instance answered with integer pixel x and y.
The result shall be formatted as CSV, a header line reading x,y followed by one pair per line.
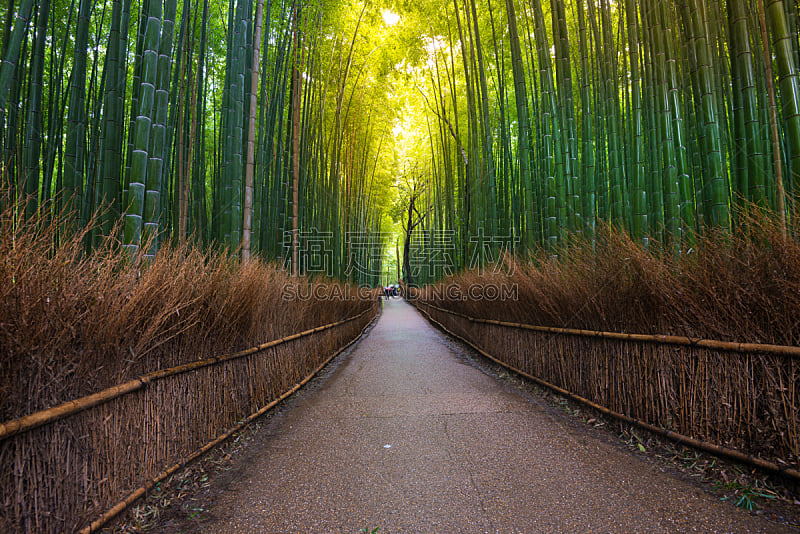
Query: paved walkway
x,y
406,436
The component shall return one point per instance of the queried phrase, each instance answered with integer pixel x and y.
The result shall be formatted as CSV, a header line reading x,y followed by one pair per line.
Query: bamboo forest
x,y
243,124
223,196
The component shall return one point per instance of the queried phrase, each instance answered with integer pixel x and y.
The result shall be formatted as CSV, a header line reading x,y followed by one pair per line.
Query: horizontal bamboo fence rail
x,y
753,348
523,357
61,467
142,490
28,422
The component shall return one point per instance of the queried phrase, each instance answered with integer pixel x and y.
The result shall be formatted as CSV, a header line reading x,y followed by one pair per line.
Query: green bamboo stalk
x,y
175,178
135,202
600,127
136,86
113,127
180,126
199,215
12,46
154,186
617,192
569,148
198,219
589,208
684,228
789,82
444,139
471,215
666,125
488,164
94,119
639,224
711,138
739,179
73,180
251,135
654,164
55,109
523,126
296,105
500,199
34,122
555,203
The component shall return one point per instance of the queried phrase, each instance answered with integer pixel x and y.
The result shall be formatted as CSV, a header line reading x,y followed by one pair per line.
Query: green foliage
x,y
526,120
743,497
649,146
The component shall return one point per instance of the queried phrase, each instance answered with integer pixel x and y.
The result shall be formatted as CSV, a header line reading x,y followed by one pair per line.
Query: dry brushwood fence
x,y
74,324
734,288
737,396
59,476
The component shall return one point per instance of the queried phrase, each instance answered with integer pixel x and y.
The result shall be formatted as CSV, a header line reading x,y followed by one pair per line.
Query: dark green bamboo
x,y
569,146
789,82
74,169
555,203
33,139
12,47
639,224
135,201
711,139
113,127
523,126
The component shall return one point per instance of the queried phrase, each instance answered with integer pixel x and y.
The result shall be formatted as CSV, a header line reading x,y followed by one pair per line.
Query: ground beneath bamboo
x,y
405,434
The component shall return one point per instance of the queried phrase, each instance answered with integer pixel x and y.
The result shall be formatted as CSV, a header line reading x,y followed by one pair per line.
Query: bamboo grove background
x,y
265,125
235,124
662,118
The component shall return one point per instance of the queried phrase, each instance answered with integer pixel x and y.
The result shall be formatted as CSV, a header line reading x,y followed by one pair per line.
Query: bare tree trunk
x,y
296,92
247,222
407,278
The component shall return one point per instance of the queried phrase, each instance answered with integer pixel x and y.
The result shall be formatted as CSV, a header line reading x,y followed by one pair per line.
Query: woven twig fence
x,y
736,399
62,467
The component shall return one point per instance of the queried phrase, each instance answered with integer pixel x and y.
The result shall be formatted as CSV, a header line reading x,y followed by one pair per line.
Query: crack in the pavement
x,y
469,469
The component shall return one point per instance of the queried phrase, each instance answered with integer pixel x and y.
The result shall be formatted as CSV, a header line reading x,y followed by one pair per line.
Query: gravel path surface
x,y
406,436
